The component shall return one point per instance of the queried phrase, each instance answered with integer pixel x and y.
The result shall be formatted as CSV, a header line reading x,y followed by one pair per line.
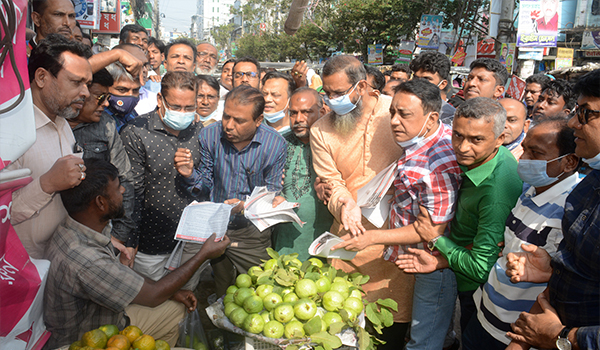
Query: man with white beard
x,y
350,145
206,59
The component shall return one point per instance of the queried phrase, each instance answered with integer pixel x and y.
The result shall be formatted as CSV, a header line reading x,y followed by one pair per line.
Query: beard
x,y
201,71
114,212
69,112
346,123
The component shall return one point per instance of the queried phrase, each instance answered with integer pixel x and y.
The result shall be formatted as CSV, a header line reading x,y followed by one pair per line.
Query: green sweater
x,y
486,197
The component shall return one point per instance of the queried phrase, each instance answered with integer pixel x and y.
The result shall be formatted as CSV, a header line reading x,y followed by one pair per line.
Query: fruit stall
x,y
291,304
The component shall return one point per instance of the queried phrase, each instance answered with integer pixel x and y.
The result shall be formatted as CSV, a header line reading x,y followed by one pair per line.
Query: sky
x,y
178,14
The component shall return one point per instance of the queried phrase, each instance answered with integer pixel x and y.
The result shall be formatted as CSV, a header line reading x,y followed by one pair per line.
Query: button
x,y
584,217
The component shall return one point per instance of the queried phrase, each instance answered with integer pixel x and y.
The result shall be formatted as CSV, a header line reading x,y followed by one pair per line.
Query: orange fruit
x,y
119,341
145,342
112,348
132,333
94,339
109,329
76,345
162,345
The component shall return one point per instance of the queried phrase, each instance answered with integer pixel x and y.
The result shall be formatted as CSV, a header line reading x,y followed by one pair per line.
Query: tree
x,y
222,35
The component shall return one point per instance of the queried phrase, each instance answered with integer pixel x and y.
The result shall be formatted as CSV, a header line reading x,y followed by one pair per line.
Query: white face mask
x,y
213,115
594,162
342,105
417,139
534,172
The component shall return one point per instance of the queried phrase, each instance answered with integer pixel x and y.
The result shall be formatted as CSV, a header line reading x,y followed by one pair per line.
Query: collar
x,y
255,139
516,142
40,117
566,185
427,143
479,174
101,238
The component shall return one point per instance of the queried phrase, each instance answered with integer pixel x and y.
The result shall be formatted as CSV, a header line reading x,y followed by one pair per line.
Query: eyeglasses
x,y
334,95
204,54
178,108
103,98
207,97
583,114
249,75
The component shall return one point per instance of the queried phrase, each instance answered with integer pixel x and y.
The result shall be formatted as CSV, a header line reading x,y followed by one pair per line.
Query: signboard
x,y
595,53
564,58
538,23
87,13
430,32
375,54
516,88
109,23
507,56
405,52
486,48
590,40
126,14
531,54
146,20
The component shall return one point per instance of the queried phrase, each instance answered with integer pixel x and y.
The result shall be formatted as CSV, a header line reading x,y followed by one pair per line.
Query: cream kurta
x,y
347,163
34,213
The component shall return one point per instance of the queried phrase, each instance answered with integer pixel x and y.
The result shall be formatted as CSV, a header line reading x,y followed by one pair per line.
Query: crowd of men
x,y
489,205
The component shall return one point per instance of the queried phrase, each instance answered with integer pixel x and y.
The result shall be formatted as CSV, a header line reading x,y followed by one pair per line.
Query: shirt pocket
x,y
96,150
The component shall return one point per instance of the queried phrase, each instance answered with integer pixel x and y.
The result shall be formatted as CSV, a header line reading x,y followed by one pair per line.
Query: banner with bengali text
x,y
538,23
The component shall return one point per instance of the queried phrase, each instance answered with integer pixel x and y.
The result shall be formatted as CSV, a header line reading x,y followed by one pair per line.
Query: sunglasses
x,y
583,114
103,98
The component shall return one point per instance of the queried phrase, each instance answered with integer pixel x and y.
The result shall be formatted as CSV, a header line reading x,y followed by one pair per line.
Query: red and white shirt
x,y
429,176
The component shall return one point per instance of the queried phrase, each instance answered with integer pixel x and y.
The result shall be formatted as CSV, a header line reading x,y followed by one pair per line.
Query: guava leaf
x,y
336,327
292,347
389,303
386,317
331,273
364,279
318,347
364,339
305,265
371,313
312,275
326,339
265,280
272,253
327,347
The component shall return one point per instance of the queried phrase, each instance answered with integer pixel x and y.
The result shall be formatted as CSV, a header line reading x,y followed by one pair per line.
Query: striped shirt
x,y
227,173
428,176
536,219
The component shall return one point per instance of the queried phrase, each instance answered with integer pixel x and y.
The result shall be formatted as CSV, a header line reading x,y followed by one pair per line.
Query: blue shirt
x,y
121,121
227,173
575,282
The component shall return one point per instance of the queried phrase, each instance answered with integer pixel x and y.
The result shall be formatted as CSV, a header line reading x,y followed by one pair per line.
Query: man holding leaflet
x,y
238,153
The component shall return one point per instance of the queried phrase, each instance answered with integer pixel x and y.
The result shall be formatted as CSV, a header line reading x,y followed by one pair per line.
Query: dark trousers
x,y
467,308
394,336
248,246
475,337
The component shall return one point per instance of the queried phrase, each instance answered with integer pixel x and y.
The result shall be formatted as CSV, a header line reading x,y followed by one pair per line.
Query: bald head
x,y
516,119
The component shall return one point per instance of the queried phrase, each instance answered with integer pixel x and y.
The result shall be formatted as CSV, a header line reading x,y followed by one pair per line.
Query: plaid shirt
x,y
428,176
575,282
87,285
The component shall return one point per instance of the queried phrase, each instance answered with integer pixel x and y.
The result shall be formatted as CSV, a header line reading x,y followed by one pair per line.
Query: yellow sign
x,y
564,53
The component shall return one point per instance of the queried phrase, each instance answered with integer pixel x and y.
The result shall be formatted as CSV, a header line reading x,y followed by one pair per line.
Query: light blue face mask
x,y
213,115
594,163
178,120
277,116
534,172
341,105
417,139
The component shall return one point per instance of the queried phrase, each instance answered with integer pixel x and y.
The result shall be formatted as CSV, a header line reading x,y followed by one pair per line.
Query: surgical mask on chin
x,y
342,105
210,116
122,104
277,116
178,120
415,140
534,172
594,162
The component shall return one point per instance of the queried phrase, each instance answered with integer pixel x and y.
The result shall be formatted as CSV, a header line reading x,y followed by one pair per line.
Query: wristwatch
x,y
563,343
431,244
